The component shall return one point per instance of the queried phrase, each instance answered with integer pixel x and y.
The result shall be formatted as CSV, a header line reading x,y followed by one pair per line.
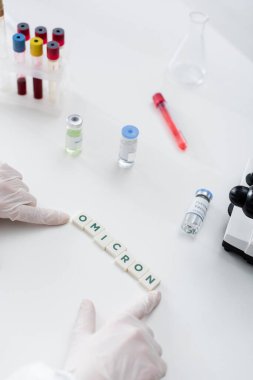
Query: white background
x,y
118,58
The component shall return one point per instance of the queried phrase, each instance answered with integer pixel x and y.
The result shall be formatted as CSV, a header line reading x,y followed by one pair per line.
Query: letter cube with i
x,y
103,239
93,228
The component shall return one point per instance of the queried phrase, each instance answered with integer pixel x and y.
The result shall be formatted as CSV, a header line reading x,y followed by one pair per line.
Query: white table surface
x,y
119,54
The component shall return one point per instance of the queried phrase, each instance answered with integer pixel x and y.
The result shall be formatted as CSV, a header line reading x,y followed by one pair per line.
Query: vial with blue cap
x,y
128,146
18,41
195,216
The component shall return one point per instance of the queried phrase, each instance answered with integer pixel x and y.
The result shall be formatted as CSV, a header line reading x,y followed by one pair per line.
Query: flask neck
x,y
198,21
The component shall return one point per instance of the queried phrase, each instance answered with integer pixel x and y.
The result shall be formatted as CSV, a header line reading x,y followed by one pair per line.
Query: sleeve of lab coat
x,y
39,371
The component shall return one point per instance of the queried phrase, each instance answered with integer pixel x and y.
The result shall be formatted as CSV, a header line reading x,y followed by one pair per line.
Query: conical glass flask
x,y
188,65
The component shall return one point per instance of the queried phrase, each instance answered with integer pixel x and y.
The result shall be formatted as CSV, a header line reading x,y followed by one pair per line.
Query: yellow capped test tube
x,y
36,50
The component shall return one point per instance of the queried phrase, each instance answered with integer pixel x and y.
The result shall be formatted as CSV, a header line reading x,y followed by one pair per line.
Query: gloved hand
x,y
16,203
124,349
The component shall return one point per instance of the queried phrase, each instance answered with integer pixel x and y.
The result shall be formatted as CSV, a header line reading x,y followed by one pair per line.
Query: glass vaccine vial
x,y
128,146
74,138
195,216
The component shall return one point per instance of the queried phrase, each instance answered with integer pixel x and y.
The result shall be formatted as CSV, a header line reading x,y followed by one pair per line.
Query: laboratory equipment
x,y
195,216
73,142
3,37
238,236
58,35
159,102
128,146
41,31
188,64
18,40
53,54
36,49
24,28
47,72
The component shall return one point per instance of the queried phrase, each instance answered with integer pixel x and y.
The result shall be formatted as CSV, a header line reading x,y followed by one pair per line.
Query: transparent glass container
x,y
195,216
128,146
74,136
188,64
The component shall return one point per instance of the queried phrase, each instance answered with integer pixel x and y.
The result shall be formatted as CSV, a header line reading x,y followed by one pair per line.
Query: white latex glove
x,y
16,203
39,371
124,349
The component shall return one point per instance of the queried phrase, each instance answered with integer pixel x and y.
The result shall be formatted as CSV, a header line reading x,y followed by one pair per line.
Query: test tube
x,y
18,41
41,31
24,28
3,40
36,49
53,54
58,35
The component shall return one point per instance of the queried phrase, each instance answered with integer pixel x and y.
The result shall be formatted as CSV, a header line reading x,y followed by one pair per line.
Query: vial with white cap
x,y
128,146
74,138
195,216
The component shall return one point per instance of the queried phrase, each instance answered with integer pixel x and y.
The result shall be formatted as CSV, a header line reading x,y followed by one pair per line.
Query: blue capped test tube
x,y
18,40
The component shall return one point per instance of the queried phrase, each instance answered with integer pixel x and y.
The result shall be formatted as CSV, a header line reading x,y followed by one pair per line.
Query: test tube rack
x,y
9,70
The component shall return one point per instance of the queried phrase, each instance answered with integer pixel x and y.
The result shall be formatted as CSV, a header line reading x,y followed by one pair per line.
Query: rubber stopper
x,y
158,99
130,132
23,28
58,35
53,50
36,46
41,31
18,42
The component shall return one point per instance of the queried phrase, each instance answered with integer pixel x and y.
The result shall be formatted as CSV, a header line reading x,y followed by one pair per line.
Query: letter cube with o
x,y
137,269
81,220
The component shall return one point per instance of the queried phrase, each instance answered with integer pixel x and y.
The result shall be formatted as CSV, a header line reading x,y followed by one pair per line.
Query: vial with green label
x,y
74,134
195,216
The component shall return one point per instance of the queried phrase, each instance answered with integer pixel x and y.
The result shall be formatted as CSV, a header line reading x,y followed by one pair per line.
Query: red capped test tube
x,y
41,31
53,55
23,28
160,103
58,35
